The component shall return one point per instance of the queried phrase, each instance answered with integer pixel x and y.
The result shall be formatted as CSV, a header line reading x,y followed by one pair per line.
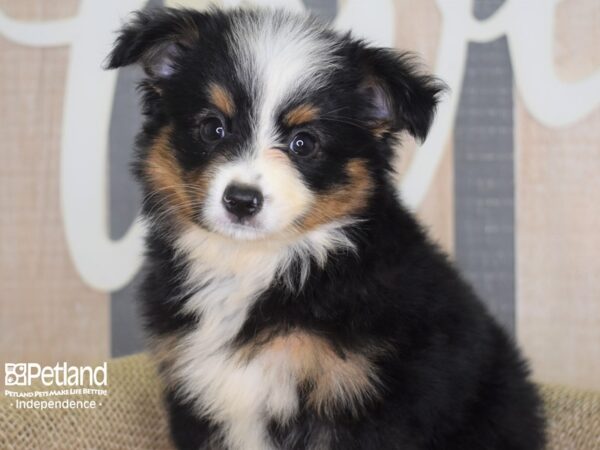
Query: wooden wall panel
x,y
47,314
558,242
558,219
577,39
437,210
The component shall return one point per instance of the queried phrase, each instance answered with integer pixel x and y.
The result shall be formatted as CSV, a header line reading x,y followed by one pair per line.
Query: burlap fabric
x,y
132,417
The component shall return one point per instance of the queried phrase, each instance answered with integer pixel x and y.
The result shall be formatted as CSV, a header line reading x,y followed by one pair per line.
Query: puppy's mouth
x,y
238,229
236,223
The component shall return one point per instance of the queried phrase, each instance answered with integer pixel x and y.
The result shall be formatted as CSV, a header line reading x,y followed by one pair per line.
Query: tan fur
x,y
166,178
343,200
178,191
332,380
222,99
199,180
301,115
380,128
284,184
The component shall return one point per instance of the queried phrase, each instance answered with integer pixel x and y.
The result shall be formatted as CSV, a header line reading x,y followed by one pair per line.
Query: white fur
x,y
285,195
281,58
241,396
278,58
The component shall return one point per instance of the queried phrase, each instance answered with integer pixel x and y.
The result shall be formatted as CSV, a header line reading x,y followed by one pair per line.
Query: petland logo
x,y
65,381
23,374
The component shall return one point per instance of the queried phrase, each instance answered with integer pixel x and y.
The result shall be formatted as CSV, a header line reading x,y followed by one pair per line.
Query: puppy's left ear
x,y
399,95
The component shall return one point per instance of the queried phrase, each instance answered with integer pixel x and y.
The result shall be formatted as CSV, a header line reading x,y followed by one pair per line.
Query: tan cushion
x,y
132,417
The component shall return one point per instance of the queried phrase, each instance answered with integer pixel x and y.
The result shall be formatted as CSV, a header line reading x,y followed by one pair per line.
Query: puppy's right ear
x,y
156,38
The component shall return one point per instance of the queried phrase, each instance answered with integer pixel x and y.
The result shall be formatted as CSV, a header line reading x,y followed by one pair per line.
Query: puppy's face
x,y
263,124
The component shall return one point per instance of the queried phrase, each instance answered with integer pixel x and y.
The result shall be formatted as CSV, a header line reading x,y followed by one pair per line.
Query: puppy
x,y
291,301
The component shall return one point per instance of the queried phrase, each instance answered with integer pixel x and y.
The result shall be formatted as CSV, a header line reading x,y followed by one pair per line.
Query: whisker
x,y
346,120
189,187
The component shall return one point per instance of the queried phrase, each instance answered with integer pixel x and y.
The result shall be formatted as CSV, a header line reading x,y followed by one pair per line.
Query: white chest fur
x,y
242,395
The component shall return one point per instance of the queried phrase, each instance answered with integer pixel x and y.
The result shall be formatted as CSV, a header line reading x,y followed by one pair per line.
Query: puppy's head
x,y
261,124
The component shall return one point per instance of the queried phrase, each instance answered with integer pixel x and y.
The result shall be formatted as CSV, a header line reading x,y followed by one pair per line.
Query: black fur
x,y
453,379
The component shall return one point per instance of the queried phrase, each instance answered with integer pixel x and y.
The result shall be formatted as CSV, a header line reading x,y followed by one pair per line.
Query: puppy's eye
x,y
212,129
303,144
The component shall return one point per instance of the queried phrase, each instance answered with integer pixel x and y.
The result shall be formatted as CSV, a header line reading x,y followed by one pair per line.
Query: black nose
x,y
242,201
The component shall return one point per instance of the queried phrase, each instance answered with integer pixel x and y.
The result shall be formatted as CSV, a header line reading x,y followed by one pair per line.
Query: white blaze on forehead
x,y
279,56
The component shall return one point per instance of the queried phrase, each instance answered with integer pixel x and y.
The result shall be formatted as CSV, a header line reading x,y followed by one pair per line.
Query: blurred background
x,y
508,181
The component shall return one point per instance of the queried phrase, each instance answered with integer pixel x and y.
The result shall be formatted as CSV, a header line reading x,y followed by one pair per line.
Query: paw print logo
x,y
15,374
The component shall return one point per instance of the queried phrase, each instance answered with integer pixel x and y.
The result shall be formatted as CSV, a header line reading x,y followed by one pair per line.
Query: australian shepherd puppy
x,y
291,300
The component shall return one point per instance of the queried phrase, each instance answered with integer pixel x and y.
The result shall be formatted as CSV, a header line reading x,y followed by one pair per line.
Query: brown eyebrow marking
x,y
301,114
222,99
